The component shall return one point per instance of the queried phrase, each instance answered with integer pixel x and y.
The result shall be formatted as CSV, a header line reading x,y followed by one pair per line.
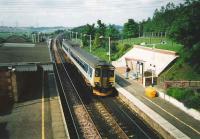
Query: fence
x,y
182,84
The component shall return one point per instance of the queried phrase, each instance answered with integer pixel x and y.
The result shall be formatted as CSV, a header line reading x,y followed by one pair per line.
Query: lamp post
x,y
76,36
90,36
152,75
153,66
72,35
109,51
140,63
69,34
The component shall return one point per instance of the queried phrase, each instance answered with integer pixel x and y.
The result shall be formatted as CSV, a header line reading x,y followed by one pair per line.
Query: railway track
x,y
82,123
111,117
133,126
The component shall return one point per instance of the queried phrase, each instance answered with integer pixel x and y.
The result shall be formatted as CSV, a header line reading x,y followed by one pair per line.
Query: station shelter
x,y
146,63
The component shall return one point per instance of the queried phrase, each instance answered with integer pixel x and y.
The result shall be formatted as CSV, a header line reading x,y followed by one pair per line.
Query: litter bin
x,y
150,92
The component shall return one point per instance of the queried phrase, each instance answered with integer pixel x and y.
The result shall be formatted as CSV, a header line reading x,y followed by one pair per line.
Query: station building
x,y
146,63
21,67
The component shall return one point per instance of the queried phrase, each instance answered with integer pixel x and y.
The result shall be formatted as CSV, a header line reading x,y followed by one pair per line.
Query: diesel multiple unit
x,y
98,73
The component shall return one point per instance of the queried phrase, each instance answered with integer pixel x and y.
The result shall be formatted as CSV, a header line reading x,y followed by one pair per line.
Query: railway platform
x,y
178,118
37,114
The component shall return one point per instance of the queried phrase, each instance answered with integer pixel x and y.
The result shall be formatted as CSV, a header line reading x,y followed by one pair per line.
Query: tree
x,y
86,30
101,28
97,41
185,29
130,29
112,32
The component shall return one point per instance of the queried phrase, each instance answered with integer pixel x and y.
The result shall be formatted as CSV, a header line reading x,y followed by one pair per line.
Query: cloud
x,y
75,12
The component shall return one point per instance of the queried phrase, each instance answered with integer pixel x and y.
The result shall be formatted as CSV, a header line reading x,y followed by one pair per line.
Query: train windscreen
x,y
107,73
97,72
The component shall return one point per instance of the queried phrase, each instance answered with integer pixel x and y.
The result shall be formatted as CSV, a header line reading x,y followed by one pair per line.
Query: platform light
x,y
90,41
109,52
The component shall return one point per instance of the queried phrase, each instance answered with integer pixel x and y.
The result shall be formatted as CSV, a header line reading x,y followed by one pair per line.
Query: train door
x,y
104,77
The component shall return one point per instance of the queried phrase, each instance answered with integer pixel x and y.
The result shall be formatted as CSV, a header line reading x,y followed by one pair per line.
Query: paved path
x,y
32,117
174,115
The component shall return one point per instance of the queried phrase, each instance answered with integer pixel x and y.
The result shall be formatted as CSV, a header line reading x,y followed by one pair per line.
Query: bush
x,y
180,93
187,96
114,48
193,102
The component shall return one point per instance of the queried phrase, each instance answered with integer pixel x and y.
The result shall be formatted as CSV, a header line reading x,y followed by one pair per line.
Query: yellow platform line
x,y
43,131
173,116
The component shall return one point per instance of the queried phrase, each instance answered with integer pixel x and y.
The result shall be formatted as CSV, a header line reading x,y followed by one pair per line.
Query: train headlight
x,y
111,83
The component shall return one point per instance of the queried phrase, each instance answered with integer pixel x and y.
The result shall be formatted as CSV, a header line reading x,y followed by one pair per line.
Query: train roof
x,y
92,60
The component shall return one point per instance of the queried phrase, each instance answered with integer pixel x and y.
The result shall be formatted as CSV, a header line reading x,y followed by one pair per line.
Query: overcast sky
x,y
73,13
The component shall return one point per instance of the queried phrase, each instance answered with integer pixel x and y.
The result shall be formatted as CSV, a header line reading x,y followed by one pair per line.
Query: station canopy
x,y
153,59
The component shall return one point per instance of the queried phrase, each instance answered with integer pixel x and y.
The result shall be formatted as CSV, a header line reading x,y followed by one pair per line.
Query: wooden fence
x,y
182,84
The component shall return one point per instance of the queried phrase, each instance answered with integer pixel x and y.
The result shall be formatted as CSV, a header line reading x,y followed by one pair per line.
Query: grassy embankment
x,y
179,70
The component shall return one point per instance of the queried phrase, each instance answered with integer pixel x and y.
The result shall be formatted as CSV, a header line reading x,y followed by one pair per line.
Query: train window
x,y
104,73
90,72
97,72
111,73
85,67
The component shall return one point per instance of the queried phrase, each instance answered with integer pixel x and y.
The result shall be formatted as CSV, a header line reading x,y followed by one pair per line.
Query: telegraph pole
x,y
139,31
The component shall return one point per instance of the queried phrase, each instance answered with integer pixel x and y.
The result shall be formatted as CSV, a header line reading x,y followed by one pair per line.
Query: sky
x,y
72,13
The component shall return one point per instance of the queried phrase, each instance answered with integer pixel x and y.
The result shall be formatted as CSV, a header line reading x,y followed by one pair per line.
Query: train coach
x,y
98,73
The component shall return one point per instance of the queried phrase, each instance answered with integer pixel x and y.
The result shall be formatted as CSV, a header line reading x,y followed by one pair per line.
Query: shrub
x,y
180,93
193,102
189,98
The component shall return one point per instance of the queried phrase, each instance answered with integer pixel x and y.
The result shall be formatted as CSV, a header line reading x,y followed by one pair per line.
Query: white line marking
x,y
43,131
172,116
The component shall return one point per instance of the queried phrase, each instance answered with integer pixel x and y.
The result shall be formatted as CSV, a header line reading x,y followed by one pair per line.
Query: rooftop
x,y
17,55
153,59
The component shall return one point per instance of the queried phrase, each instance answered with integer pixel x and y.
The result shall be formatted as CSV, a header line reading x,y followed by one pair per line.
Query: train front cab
x,y
104,80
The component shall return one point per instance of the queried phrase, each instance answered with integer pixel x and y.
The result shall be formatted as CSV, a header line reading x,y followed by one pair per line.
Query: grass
x,y
180,71
189,97
100,52
122,46
170,45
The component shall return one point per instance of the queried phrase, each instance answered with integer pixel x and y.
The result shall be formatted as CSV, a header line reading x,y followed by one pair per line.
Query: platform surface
x,y
36,116
175,116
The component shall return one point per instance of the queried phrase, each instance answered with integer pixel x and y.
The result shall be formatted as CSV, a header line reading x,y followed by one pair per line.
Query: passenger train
x,y
98,73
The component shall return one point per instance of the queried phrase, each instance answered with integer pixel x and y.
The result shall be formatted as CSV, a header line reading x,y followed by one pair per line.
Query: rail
x,y
86,125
